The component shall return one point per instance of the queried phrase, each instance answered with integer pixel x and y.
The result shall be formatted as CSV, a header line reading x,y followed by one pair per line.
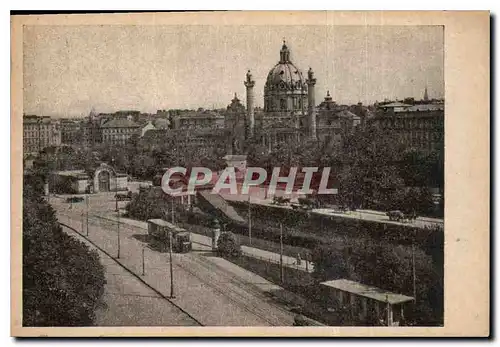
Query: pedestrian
x,y
299,260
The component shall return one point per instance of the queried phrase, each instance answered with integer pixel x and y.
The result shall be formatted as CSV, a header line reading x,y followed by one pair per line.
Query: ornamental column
x,y
311,100
249,84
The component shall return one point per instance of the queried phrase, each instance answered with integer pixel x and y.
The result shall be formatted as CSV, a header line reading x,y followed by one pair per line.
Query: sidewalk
x,y
372,215
425,219
249,251
129,302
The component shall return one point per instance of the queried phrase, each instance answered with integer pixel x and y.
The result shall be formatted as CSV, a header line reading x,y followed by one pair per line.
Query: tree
x,y
369,175
146,205
329,263
142,166
63,280
228,245
390,268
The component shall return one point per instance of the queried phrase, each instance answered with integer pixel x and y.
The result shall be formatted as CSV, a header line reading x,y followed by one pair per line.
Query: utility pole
x,y
116,193
173,211
82,222
282,272
414,272
48,187
249,219
143,272
388,310
118,225
87,204
172,295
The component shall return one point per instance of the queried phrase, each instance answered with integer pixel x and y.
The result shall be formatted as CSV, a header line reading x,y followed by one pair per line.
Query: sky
x,y
68,70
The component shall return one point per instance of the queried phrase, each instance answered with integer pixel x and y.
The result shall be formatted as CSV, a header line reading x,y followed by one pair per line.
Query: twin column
x,y
249,84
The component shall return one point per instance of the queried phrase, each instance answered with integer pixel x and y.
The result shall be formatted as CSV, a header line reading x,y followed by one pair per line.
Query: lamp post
x,y
116,184
87,204
172,294
118,235
249,220
170,241
143,272
282,272
82,222
173,209
116,193
414,271
388,310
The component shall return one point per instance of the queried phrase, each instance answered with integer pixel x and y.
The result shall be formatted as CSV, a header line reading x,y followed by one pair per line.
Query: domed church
x,y
289,113
285,89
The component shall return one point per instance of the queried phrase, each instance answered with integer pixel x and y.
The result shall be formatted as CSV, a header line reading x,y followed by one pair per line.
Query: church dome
x,y
285,75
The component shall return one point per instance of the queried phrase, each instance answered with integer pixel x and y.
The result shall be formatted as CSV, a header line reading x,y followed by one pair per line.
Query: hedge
x,y
63,280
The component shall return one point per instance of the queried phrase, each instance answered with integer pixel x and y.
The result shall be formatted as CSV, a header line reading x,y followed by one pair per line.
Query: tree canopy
x,y
390,268
63,280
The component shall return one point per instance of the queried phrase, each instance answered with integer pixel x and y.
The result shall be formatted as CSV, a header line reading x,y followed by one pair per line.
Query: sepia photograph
x,y
259,174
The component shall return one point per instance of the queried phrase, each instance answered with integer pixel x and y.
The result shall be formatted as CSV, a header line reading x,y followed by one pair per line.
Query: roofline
x,y
403,298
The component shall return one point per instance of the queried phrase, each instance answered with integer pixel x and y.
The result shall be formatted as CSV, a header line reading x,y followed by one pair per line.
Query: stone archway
x,y
104,179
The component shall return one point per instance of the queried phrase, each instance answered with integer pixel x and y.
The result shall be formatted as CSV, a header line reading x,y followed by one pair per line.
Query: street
x,y
369,215
128,302
204,289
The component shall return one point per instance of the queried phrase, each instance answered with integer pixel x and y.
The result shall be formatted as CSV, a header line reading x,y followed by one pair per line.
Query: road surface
x,y
212,296
129,302
202,240
369,215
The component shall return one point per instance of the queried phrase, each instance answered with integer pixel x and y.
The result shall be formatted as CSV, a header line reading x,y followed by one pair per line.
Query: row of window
x,y
55,136
428,140
412,123
119,131
198,126
42,132
39,140
30,149
287,85
207,122
121,136
432,135
115,141
39,126
297,104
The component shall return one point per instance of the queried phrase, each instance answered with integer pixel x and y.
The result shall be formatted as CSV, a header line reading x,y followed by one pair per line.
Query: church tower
x,y
249,84
311,100
426,96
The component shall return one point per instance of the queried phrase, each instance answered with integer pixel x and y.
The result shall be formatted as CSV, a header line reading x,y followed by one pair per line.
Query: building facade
x,y
92,133
204,120
290,114
71,131
419,127
40,132
103,179
119,131
334,122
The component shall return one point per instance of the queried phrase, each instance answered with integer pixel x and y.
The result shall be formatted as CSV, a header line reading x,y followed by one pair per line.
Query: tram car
x,y
159,232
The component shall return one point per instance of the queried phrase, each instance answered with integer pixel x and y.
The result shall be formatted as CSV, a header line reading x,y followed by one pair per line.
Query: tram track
x,y
79,234
237,298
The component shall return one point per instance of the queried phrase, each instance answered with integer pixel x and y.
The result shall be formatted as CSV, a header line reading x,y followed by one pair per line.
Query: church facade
x,y
290,113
